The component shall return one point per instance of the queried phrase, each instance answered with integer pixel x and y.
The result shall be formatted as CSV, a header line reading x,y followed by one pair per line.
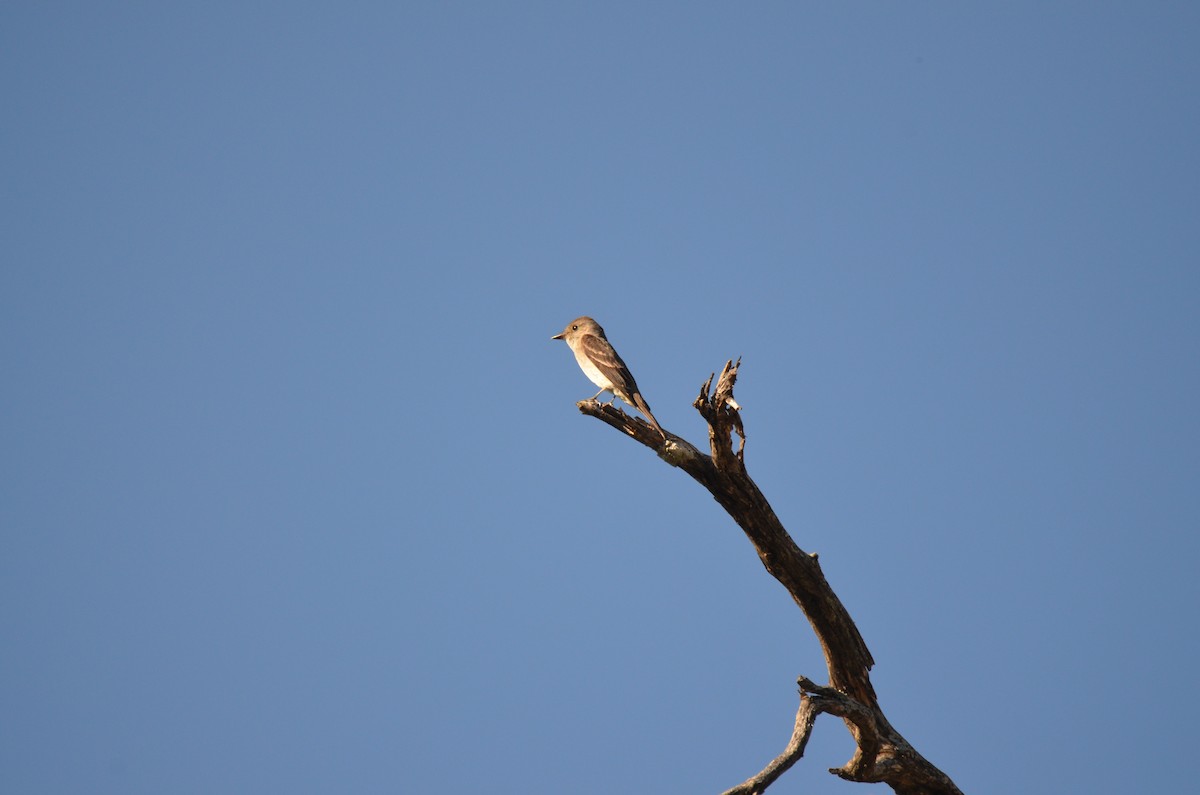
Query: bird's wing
x,y
607,361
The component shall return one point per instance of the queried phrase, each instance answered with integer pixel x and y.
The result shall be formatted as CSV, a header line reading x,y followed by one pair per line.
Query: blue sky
x,y
294,495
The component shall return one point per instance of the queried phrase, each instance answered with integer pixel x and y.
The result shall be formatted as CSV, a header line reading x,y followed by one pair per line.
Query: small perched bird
x,y
601,363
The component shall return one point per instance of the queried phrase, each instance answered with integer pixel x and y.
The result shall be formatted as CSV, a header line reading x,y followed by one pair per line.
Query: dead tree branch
x,y
806,716
882,755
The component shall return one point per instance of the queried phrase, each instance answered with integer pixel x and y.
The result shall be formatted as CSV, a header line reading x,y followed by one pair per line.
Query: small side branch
x,y
723,415
806,716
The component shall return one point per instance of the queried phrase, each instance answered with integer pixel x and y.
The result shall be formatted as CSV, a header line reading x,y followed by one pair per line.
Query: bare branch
x,y
806,716
882,754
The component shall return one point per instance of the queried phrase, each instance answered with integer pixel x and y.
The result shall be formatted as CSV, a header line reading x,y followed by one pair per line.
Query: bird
x,y
602,364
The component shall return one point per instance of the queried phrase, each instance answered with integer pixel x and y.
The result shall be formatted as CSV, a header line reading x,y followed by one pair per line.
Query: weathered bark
x,y
882,754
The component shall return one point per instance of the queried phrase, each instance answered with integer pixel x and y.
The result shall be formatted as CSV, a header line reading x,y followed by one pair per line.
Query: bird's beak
x,y
559,336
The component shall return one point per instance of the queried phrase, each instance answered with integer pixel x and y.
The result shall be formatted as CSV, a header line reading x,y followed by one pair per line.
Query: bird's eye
x,y
574,328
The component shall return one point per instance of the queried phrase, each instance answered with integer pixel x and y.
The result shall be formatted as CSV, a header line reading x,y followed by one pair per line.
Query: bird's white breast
x,y
592,371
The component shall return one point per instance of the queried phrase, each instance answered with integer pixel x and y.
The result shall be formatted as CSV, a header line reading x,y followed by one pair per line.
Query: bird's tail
x,y
644,407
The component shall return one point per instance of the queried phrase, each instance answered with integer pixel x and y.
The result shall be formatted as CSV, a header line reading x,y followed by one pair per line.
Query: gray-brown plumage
x,y
601,363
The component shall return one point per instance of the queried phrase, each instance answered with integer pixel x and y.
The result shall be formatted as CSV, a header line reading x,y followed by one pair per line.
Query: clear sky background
x,y
294,494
